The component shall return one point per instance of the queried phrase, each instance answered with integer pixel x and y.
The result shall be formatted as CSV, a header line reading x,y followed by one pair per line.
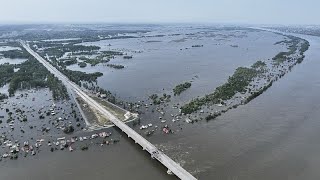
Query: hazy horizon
x,y
147,11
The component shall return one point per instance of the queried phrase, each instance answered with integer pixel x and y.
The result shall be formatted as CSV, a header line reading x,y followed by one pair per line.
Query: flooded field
x,y
11,61
161,63
4,60
272,137
7,48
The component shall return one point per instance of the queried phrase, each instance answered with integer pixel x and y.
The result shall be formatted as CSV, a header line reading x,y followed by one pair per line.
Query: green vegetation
x,y
68,62
84,148
293,45
154,98
258,64
115,66
32,74
110,97
99,59
103,57
197,45
82,64
212,116
242,77
282,42
15,54
158,100
258,93
75,76
10,43
86,80
281,57
59,91
6,71
127,57
2,97
112,53
78,76
236,83
82,34
60,49
304,47
56,50
181,87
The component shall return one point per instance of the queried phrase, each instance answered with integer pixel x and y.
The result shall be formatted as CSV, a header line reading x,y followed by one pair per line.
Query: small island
x,y
249,82
197,45
181,87
82,64
115,66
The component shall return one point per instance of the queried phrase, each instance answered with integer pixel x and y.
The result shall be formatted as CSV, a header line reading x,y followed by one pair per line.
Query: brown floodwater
x,y
275,136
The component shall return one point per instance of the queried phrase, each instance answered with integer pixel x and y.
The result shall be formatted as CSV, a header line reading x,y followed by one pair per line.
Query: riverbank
x,y
270,127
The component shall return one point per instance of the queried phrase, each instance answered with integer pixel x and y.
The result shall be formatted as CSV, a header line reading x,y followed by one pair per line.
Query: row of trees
x,y
181,87
115,66
238,82
6,72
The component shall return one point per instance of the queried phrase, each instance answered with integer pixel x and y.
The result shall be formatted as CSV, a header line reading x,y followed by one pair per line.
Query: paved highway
x,y
146,145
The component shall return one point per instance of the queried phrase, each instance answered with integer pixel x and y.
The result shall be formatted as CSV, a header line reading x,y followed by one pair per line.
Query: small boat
x,y
5,155
143,127
62,138
169,172
70,149
188,120
165,130
93,136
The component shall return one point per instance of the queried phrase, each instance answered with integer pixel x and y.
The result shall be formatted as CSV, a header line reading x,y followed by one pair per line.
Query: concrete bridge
x,y
137,138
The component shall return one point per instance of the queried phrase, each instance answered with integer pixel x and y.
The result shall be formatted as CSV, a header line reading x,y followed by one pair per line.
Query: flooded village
x,y
123,71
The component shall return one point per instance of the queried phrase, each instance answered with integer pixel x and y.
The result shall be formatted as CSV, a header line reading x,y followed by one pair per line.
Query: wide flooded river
x,y
275,136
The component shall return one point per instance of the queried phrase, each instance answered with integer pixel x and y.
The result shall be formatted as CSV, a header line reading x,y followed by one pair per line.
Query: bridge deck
x,y
145,144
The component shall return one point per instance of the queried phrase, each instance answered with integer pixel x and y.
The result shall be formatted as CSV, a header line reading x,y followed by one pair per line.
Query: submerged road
x,y
146,145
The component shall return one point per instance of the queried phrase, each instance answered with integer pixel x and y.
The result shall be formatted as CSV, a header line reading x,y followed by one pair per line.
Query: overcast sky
x,y
161,11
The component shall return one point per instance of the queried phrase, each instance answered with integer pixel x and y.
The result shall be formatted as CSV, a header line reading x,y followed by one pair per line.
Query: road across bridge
x,y
145,144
